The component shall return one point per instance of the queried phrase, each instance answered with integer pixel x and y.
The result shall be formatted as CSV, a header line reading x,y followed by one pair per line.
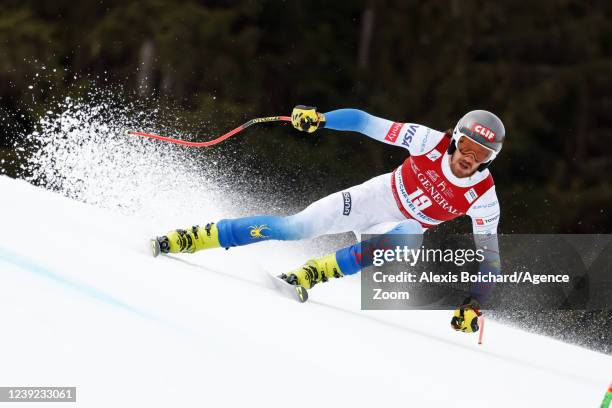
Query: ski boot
x,y
186,241
314,271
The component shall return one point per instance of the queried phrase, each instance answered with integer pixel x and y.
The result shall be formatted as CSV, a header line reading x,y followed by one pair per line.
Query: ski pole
x,y
481,324
214,141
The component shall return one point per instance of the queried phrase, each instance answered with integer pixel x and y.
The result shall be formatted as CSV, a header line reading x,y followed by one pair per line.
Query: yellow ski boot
x,y
314,271
187,241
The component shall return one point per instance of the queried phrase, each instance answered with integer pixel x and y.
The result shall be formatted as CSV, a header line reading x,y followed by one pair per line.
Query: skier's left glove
x,y
465,318
307,119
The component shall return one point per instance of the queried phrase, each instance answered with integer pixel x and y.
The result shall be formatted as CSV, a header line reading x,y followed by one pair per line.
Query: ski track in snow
x,y
91,292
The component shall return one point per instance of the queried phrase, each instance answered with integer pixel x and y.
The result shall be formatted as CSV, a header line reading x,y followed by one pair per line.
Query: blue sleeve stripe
x,y
347,119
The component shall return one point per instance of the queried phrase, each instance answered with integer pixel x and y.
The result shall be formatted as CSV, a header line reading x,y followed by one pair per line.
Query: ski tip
x,y
293,291
301,293
155,249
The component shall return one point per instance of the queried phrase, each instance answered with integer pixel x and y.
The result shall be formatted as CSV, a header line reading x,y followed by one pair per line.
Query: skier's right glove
x,y
307,119
465,318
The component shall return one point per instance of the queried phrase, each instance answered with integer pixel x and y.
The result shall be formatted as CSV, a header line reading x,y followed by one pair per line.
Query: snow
x,y
83,303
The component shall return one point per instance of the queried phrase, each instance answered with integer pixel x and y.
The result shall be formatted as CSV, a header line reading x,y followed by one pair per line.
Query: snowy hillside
x,y
82,303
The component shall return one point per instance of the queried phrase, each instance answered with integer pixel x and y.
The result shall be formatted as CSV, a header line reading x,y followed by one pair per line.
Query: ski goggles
x,y
468,146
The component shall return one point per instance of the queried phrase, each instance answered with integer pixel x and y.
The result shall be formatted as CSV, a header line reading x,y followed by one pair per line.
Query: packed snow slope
x,y
83,303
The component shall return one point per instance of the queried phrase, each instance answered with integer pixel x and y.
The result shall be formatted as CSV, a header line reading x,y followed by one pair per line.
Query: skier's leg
x,y
356,208
318,218
407,233
351,259
353,209
249,230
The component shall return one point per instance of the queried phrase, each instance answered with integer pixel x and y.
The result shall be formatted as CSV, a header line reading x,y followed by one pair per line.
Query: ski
x,y
296,292
155,248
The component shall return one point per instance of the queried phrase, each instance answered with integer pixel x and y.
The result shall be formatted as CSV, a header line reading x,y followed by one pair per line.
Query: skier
x,y
445,176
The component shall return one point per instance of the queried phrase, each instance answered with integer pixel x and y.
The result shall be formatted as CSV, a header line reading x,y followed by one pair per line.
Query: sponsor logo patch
x,y
424,141
346,196
471,195
483,131
434,155
444,189
447,191
393,133
492,219
487,220
432,174
409,135
434,194
257,231
487,205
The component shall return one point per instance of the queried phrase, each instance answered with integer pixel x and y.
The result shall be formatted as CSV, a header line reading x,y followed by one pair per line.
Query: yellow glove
x,y
307,119
465,318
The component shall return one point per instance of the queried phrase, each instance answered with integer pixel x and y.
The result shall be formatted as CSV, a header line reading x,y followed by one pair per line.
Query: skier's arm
x,y
489,246
355,120
418,139
485,214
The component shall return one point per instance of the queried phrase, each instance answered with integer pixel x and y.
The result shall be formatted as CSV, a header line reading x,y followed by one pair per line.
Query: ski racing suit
x,y
418,195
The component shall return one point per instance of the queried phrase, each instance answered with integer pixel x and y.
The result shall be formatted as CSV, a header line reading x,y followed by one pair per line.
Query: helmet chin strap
x,y
453,146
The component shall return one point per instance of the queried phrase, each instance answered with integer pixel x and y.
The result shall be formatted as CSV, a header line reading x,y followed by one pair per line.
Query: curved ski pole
x,y
214,141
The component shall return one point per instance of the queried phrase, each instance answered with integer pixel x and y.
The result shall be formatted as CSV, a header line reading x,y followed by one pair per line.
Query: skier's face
x,y
468,156
463,165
